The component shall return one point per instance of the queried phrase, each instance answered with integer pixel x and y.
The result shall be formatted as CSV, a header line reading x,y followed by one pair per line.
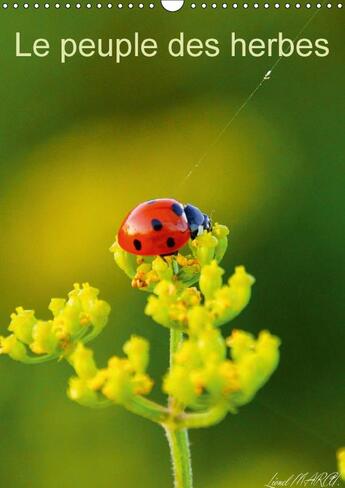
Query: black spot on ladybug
x,y
137,244
177,209
170,242
156,224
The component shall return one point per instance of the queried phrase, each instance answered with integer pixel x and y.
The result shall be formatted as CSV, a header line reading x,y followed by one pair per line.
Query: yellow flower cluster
x,y
207,371
255,361
81,317
182,269
170,304
119,382
202,373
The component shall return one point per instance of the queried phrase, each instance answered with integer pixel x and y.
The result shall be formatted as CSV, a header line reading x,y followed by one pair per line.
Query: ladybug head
x,y
197,221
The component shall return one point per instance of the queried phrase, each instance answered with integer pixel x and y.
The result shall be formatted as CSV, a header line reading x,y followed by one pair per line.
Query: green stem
x,y
147,409
178,439
180,456
39,359
176,337
205,419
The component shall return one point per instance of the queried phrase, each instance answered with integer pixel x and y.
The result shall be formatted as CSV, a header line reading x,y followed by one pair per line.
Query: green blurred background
x,y
82,143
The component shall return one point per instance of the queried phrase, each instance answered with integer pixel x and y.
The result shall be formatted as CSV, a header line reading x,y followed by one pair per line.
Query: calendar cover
x,y
172,244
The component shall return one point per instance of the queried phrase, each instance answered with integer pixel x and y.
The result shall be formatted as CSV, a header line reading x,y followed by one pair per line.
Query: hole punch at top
x,y
172,5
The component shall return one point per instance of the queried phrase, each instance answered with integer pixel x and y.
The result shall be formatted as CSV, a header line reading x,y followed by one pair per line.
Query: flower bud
x,y
221,232
218,379
83,362
118,386
96,382
250,379
228,373
22,323
178,315
191,296
162,269
137,350
240,284
125,261
87,296
99,314
203,247
66,323
56,306
79,391
198,319
188,355
142,384
211,345
210,279
166,289
162,308
73,297
179,385
13,347
200,379
44,340
240,343
66,314
267,349
159,311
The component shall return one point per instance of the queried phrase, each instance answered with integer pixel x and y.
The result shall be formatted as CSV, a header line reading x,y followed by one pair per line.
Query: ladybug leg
x,y
207,224
194,234
175,253
175,267
173,262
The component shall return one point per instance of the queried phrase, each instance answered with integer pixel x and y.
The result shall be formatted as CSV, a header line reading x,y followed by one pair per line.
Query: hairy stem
x,y
180,456
176,337
178,439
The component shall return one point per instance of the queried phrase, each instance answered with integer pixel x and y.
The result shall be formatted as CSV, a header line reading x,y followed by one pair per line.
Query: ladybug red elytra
x,y
161,227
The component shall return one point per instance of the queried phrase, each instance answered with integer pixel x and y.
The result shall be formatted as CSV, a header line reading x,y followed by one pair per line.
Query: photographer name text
x,y
321,480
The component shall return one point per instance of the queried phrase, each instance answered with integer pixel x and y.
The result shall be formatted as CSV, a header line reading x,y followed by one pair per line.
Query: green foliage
x,y
203,374
119,382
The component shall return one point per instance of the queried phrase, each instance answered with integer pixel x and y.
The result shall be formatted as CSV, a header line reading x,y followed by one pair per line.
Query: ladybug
x,y
161,227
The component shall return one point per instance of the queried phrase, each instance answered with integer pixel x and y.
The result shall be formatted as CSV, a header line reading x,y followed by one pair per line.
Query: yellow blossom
x,y
137,350
44,339
79,391
13,347
22,323
210,279
83,362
